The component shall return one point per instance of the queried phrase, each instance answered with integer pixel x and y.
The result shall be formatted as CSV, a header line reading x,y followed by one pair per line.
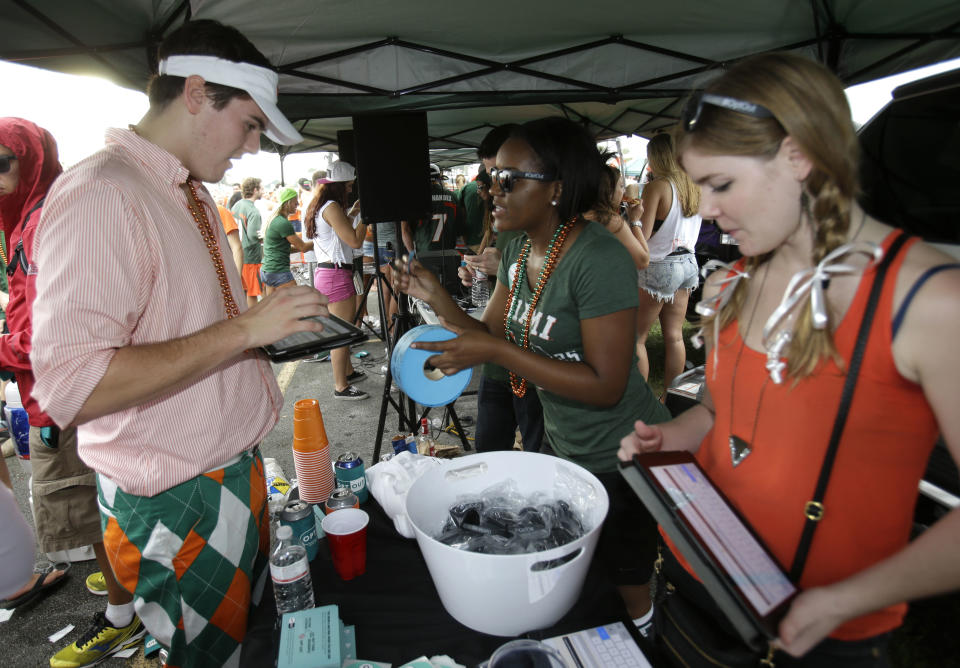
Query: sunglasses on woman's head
x,y
693,109
5,163
505,178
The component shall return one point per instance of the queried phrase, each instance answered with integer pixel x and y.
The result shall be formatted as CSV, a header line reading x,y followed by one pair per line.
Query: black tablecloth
x,y
397,612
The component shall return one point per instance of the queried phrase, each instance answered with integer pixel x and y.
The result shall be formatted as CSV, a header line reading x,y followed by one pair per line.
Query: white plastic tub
x,y
503,595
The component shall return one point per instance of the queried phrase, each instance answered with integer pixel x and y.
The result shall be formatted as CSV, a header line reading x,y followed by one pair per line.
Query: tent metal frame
x,y
830,36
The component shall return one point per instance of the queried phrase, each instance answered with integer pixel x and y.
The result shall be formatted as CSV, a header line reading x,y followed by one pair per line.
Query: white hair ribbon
x,y
712,305
808,283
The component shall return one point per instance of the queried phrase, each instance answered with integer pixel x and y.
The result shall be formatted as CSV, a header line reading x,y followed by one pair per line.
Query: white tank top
x,y
677,231
326,244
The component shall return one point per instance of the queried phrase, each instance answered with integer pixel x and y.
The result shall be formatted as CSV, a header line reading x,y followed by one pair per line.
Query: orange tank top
x,y
869,503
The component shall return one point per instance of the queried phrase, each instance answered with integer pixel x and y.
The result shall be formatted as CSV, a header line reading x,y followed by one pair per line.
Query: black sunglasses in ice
x,y
5,163
505,178
691,113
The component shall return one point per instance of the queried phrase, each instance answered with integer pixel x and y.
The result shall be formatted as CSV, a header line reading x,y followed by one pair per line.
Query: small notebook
x,y
336,333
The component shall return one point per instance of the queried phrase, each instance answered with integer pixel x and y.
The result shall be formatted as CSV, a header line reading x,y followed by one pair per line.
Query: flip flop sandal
x,y
40,588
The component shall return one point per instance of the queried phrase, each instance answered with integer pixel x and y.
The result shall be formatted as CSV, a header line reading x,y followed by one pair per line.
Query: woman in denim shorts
x,y
671,225
279,240
336,231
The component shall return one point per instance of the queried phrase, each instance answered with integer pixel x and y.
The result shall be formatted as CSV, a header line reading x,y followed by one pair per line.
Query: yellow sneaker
x,y
98,643
97,584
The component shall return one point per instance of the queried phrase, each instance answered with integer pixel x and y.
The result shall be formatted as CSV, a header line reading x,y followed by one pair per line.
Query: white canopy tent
x,y
620,68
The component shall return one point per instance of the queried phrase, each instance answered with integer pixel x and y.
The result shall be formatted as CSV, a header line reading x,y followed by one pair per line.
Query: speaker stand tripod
x,y
405,406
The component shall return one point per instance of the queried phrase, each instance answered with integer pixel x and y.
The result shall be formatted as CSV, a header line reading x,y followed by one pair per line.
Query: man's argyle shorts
x,y
190,556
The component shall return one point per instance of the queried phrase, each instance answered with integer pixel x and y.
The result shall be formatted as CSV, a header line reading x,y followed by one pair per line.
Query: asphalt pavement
x,y
350,426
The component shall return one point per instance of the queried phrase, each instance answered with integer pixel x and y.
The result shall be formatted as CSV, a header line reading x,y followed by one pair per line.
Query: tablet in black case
x,y
740,574
336,333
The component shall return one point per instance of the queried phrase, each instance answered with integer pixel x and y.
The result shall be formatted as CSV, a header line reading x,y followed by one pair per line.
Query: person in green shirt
x,y
279,240
562,318
247,216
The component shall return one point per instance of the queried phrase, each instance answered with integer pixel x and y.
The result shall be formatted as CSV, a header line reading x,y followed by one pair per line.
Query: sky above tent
x,y
77,110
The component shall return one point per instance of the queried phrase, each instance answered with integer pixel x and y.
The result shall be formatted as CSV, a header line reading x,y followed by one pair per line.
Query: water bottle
x,y
479,289
290,572
16,416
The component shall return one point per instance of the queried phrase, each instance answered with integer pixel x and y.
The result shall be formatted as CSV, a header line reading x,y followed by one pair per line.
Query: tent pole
x,y
623,165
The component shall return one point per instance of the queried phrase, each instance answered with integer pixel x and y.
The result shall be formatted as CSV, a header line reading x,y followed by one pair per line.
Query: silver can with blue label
x,y
298,515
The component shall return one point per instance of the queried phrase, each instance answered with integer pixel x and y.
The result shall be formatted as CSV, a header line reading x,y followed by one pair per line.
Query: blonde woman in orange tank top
x,y
779,174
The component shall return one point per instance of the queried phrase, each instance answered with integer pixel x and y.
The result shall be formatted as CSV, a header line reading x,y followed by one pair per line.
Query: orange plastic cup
x,y
308,425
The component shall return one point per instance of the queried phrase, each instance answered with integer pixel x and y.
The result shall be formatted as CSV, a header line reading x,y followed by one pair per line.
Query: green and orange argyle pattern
x,y
190,556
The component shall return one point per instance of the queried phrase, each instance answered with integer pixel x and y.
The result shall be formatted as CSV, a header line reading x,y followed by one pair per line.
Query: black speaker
x,y
393,166
444,265
346,146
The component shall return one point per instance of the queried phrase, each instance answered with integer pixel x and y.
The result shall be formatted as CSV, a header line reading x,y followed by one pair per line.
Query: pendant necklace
x,y
740,449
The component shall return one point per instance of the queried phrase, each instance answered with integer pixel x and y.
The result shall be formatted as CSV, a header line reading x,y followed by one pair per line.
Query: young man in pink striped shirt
x,y
144,368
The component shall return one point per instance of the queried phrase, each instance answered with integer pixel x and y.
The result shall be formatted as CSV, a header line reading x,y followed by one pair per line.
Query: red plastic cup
x,y
346,532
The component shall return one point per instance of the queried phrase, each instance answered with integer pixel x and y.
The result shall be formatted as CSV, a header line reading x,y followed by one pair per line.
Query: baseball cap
x,y
340,171
260,83
435,172
286,195
304,183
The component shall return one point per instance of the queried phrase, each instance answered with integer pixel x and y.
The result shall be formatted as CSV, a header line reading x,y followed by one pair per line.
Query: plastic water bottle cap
x,y
13,396
284,532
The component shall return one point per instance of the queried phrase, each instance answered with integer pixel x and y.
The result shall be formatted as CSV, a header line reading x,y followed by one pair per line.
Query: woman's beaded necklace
x,y
518,384
206,233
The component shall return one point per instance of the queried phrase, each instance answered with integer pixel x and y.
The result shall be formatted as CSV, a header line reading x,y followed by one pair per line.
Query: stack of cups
x,y
311,452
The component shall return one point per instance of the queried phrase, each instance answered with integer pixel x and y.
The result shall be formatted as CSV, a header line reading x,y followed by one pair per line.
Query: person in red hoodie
x,y
64,488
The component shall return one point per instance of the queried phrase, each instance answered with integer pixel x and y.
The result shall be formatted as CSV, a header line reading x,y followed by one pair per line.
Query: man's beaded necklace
x,y
518,384
206,233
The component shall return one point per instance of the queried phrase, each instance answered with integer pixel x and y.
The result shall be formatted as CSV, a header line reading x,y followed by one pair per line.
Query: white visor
x,y
258,82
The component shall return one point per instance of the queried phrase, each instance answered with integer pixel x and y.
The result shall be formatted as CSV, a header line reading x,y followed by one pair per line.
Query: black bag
x,y
689,626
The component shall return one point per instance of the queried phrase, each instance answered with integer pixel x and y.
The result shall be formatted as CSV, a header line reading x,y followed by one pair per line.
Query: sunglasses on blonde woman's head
x,y
5,163
694,107
506,178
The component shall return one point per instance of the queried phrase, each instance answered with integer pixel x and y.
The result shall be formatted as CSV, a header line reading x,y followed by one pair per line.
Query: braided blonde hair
x,y
809,105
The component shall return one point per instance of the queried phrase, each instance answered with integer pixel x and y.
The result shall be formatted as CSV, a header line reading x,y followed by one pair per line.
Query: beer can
x,y
399,443
298,515
341,498
349,471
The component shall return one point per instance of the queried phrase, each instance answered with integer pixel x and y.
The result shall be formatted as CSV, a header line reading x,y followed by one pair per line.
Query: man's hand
x,y
279,315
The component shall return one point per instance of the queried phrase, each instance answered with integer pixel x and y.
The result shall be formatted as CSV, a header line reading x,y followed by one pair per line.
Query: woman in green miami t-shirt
x,y
279,240
575,285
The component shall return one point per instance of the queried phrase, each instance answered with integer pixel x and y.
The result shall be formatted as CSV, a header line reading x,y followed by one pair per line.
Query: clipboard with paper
x,y
738,572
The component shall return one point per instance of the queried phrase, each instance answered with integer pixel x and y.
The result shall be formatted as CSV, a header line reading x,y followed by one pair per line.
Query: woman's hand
x,y
488,261
634,210
470,348
643,439
813,615
355,209
414,279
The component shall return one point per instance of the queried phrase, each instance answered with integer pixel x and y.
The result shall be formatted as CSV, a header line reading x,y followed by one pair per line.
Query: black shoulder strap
x,y
814,510
18,258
